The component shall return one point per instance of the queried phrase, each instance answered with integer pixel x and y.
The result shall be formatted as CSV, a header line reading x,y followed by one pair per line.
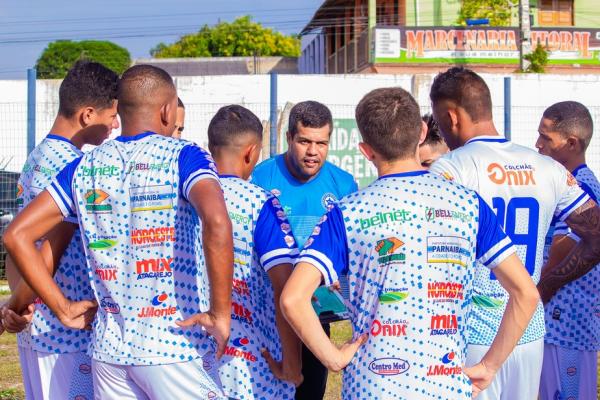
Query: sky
x,y
27,26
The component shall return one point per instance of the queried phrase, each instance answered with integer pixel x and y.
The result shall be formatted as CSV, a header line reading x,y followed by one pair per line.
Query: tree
x,y
59,56
242,37
538,60
499,12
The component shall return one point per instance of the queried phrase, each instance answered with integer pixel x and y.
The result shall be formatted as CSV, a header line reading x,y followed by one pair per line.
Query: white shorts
x,y
568,374
49,376
196,379
519,376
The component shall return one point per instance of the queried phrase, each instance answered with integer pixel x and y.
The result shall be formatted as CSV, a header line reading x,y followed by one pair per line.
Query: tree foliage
x,y
499,12
242,37
538,60
59,56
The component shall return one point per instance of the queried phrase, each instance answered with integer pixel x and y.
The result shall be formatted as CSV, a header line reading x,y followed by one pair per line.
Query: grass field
x,y
11,387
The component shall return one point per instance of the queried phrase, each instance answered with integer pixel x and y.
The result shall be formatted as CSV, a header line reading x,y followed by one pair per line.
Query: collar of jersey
x,y
57,137
576,170
134,137
228,176
489,139
404,174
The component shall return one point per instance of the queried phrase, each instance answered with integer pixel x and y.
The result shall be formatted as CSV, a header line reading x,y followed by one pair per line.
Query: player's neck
x,y
64,127
397,166
575,162
483,128
229,166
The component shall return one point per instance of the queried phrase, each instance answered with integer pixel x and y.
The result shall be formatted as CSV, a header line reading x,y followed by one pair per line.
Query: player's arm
x,y
585,223
316,263
522,302
200,186
32,224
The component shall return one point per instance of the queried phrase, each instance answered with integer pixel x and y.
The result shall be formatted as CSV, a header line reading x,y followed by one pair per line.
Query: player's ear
x,y
423,132
86,116
167,117
572,143
453,117
249,152
366,151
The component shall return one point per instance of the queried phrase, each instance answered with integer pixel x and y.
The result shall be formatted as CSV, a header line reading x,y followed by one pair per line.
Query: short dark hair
x,y
466,89
389,121
140,86
571,118
87,84
231,122
434,136
310,114
180,103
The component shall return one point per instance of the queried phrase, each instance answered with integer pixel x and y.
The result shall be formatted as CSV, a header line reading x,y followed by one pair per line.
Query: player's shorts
x,y
568,374
49,376
196,379
519,376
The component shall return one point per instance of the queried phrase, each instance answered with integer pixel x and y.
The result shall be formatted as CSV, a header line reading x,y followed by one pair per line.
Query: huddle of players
x,y
413,245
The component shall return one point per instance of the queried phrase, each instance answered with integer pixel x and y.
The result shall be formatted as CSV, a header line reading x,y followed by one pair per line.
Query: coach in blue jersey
x,y
572,313
527,190
139,200
410,275
307,186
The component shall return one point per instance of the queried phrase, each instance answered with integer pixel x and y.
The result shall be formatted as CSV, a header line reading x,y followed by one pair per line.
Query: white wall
x,y
531,94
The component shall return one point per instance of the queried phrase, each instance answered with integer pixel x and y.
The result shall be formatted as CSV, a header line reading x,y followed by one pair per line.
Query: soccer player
x,y
139,200
409,242
263,243
572,313
179,122
53,358
526,190
433,147
307,185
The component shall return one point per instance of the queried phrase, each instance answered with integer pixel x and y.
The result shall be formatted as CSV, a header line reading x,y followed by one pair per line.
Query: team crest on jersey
x,y
96,201
512,175
152,198
448,250
276,192
328,200
388,251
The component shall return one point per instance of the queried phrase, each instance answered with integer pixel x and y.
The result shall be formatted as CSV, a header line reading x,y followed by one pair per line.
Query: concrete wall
x,y
531,94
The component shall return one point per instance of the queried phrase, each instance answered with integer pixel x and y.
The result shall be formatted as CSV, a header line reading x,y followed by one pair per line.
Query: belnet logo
x,y
155,310
107,170
385,218
388,366
513,175
94,201
386,249
444,291
154,268
443,325
389,328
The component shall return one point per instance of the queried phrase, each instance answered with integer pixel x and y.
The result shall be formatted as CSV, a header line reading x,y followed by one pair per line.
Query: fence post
x,y
273,116
507,108
31,78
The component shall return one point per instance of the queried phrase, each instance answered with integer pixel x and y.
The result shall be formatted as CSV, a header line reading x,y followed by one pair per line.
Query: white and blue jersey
x,y
262,240
573,313
139,234
46,333
304,203
526,190
408,243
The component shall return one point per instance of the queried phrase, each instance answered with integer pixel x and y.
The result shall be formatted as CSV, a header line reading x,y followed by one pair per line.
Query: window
x,y
555,12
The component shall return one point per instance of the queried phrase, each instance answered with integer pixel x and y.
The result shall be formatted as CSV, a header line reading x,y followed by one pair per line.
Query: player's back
x,y
526,190
42,165
243,371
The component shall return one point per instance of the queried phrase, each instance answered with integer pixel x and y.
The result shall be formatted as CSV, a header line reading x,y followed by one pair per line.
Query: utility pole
x,y
524,33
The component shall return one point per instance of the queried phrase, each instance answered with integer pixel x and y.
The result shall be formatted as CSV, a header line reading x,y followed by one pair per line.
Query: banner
x,y
467,45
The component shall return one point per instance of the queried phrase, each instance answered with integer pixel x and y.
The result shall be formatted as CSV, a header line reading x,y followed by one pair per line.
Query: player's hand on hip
x,y
347,352
480,376
13,322
215,326
292,375
79,314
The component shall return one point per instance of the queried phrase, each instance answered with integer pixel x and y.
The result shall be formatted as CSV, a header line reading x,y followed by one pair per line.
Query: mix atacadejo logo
x,y
443,325
154,268
95,201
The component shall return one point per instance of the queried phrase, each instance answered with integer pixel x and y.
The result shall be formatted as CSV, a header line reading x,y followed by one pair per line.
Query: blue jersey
x,y
262,240
408,243
46,333
573,313
139,234
304,203
527,190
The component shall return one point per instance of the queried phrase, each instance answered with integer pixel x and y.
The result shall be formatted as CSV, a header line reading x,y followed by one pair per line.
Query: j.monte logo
x,y
445,369
389,366
158,308
512,175
237,349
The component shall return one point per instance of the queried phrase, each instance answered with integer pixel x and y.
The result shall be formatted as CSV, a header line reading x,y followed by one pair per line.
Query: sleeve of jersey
x,y
61,190
195,165
571,196
326,249
274,242
493,245
446,169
